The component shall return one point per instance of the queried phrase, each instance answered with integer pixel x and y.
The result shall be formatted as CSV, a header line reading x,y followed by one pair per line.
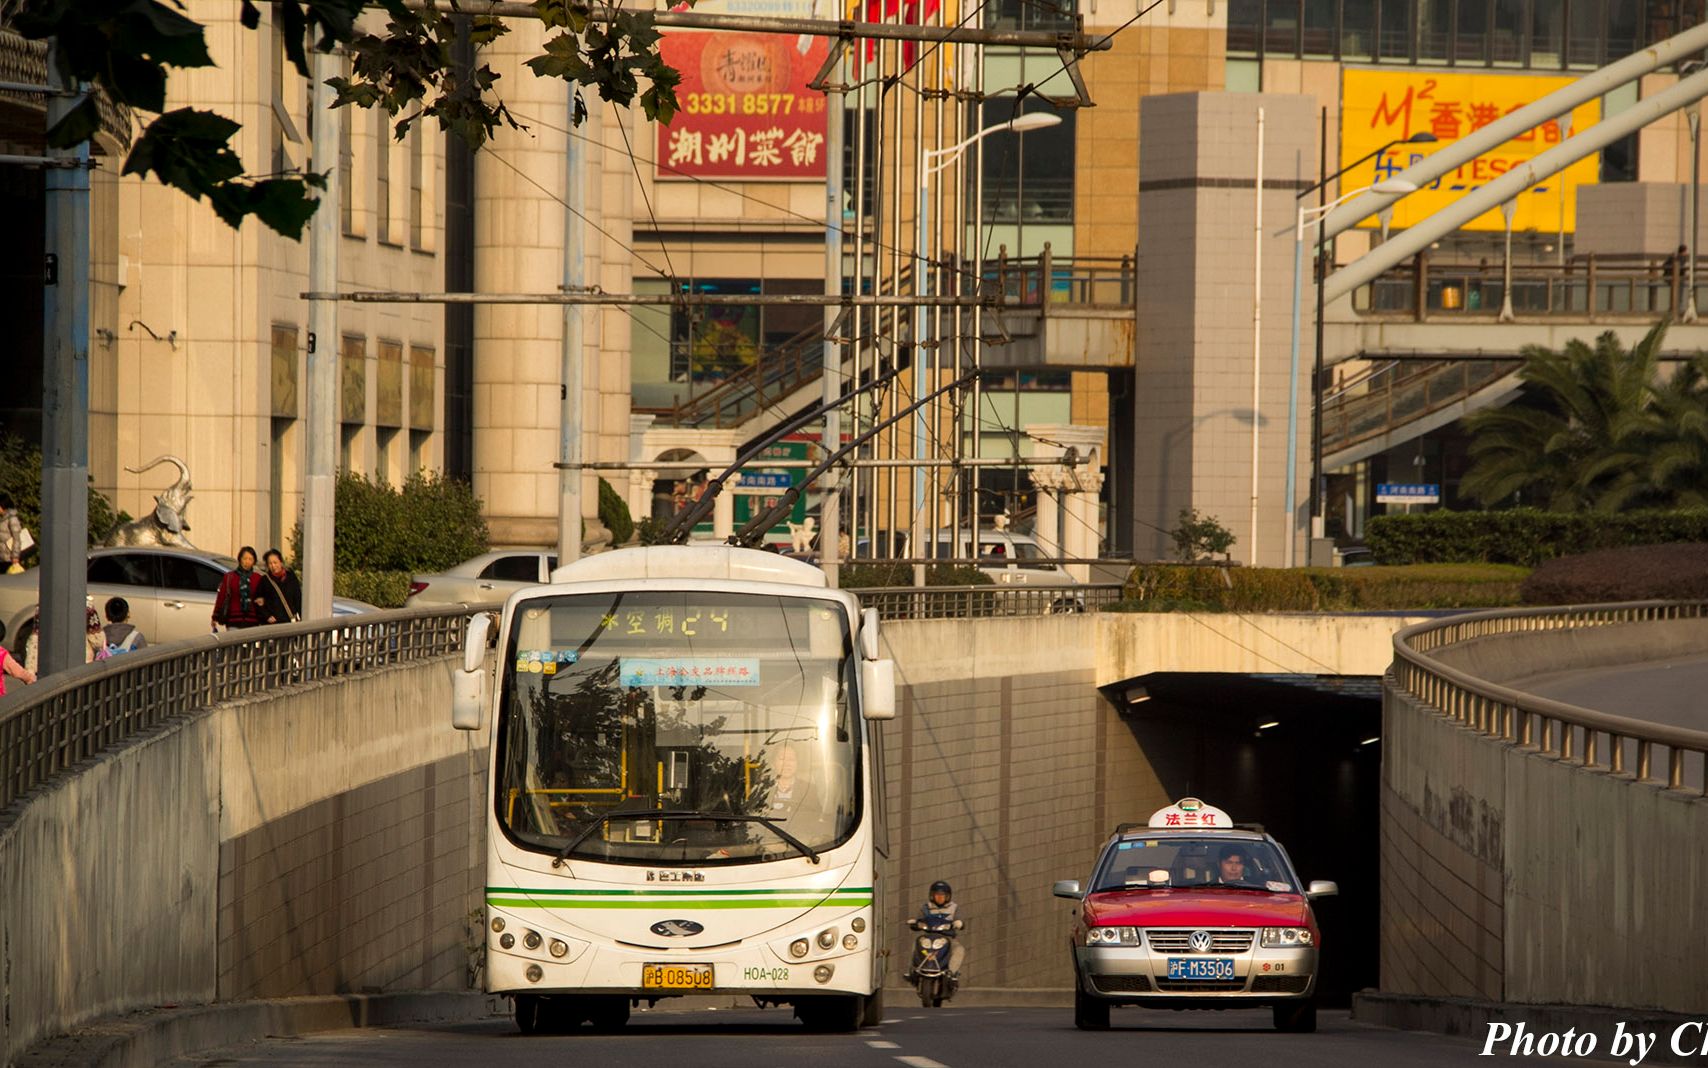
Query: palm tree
x,y
1579,438
1670,447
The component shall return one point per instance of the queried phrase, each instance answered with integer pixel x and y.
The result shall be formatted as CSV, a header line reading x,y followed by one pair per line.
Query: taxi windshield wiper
x,y
773,825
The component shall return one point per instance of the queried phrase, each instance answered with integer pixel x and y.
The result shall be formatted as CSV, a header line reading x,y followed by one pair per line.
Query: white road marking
x,y
878,1043
896,1020
921,1062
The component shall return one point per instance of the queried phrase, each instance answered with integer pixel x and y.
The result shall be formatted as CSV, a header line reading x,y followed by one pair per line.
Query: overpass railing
x,y
985,602
1589,287
1573,735
50,727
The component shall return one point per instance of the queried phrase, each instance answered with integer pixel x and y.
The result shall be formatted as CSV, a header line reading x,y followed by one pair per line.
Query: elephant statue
x,y
166,524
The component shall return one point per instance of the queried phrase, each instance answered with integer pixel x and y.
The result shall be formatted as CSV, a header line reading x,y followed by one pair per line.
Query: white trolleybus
x,y
685,788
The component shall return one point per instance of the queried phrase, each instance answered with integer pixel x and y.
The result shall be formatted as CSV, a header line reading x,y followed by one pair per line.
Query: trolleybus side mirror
x,y
878,689
468,686
869,633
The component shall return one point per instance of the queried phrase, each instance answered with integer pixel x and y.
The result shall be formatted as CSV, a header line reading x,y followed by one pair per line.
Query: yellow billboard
x,y
1382,106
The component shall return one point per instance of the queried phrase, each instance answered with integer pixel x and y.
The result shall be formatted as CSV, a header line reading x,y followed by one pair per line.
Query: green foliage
x,y
431,523
1199,537
129,49
21,477
1523,535
614,513
878,575
385,589
1644,573
650,531
1173,588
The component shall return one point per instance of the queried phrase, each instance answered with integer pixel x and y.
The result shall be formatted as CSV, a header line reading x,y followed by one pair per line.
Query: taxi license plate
x,y
676,976
1200,968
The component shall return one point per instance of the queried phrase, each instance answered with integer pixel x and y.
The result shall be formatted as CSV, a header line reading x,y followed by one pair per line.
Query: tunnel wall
x,y
1511,876
315,841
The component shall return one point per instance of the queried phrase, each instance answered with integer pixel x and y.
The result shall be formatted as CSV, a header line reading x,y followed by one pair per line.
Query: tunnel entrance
x,y
1299,754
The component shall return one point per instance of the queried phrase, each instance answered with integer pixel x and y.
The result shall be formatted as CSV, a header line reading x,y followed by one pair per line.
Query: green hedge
x,y
429,524
877,576
614,513
1523,535
387,589
1173,587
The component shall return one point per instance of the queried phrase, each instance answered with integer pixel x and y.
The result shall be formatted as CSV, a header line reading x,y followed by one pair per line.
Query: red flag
x,y
910,12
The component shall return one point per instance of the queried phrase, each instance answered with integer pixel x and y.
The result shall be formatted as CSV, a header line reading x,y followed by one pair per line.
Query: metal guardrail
x,y
50,727
1403,393
1590,287
987,602
1571,734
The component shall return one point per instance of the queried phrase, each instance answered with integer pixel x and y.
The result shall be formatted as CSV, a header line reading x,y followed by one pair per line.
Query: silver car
x,y
170,591
491,576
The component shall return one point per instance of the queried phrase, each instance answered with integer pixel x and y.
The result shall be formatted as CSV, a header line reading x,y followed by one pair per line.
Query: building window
x,y
1281,27
417,178
1029,14
1471,33
382,175
285,132
1244,19
1318,38
346,165
1028,177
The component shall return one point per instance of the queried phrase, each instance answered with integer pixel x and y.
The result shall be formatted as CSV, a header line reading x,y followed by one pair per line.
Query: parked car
x,y
1193,912
1008,557
491,576
170,591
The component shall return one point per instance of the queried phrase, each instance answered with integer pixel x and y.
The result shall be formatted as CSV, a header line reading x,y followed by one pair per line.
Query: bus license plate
x,y
1200,968
676,976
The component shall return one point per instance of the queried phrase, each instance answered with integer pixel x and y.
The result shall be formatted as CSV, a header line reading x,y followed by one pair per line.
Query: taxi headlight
x,y
1112,936
1281,937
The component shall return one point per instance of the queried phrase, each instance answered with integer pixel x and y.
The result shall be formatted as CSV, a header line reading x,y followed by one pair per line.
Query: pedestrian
x,y
240,602
284,605
10,666
121,634
13,537
94,640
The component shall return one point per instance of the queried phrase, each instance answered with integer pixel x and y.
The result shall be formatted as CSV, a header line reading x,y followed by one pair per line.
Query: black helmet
x,y
948,891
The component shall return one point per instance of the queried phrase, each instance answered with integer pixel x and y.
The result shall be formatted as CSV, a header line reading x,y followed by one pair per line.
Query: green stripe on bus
x,y
673,894
589,903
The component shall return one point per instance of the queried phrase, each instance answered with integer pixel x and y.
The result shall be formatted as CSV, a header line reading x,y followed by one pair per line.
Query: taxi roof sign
x,y
1193,813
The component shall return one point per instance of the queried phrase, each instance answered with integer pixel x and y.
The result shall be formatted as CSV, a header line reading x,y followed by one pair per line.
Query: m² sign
x,y
1382,106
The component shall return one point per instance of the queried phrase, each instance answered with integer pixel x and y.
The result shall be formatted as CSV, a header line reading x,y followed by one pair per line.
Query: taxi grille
x,y
1121,984
1280,984
1200,984
1180,941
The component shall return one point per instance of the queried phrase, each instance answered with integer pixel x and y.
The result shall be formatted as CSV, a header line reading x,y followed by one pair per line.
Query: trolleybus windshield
x,y
632,721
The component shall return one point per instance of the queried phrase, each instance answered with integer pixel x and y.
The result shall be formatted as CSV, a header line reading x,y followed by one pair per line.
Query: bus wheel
x,y
529,1013
872,1009
608,1013
830,1014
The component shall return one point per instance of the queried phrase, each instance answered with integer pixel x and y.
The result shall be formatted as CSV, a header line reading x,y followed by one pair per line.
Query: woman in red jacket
x,y
240,603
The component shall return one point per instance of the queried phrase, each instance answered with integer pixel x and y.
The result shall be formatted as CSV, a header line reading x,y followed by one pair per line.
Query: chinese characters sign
x,y
746,110
1378,106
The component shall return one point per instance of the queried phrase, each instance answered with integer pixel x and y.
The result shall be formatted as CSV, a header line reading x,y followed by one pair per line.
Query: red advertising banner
x,y
746,110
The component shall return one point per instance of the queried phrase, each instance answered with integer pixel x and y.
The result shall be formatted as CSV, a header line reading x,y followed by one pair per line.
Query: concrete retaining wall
x,y
315,842
1509,876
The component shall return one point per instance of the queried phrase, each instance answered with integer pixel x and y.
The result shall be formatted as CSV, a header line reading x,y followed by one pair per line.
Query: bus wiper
x,y
774,825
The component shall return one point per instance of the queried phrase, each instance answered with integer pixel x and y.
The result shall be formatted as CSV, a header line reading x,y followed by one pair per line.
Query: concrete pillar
x,y
1081,531
1047,480
723,510
1079,478
640,495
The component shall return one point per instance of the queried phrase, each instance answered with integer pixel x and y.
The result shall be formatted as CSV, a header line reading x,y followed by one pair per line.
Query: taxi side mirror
x,y
1068,888
1322,888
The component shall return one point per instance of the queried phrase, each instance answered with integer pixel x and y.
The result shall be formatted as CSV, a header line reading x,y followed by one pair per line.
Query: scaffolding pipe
x,y
1562,100
1414,239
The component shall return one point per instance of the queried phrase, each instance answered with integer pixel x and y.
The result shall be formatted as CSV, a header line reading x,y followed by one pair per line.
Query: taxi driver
x,y
1231,865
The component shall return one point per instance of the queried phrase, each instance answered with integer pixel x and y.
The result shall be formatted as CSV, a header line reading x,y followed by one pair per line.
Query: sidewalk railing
x,y
64,719
1596,741
1590,287
986,602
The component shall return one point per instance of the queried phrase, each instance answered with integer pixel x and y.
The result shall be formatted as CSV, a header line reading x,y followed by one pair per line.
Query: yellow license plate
x,y
676,977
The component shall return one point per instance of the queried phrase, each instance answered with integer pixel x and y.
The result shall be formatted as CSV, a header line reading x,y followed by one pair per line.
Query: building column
x,y
1080,477
1082,533
723,509
1046,480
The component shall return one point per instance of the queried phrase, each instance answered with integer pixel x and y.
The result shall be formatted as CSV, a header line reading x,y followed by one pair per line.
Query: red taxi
x,y
1192,912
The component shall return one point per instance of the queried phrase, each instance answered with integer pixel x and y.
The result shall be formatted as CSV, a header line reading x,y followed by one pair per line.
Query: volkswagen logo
x,y
688,928
1200,941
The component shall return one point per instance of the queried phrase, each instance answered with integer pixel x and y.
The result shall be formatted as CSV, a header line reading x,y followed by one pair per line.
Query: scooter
x,y
930,962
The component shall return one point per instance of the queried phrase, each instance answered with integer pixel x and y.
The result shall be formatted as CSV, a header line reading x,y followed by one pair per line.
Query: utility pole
x,y
65,393
570,415
830,496
322,393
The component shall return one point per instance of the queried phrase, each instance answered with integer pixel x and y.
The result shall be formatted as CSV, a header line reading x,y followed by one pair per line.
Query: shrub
x,y
1643,573
650,531
1523,535
21,477
1199,537
878,575
614,513
1173,588
387,589
430,524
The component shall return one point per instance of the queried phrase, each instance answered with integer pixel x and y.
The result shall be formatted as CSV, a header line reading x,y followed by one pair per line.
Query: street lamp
x,y
1422,137
1033,120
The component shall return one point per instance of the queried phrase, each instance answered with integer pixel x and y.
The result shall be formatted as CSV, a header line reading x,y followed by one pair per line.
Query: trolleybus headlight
x,y
823,972
506,941
859,925
849,941
531,939
559,947
497,924
799,947
534,972
827,938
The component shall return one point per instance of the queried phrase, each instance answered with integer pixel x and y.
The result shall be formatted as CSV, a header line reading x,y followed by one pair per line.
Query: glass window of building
x,y
1281,26
1434,30
1358,31
1509,34
1028,177
1394,31
1547,33
1029,14
1471,33
1244,18
1584,38
1318,37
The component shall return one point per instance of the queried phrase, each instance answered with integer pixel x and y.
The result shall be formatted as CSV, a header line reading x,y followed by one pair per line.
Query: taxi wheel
x,y
529,1014
608,1014
1297,1017
1089,1013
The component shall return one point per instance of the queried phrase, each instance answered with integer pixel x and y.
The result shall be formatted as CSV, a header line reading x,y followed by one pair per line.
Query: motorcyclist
x,y
941,909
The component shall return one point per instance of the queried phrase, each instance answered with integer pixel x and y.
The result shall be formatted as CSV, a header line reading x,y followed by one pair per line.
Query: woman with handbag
x,y
241,601
285,605
14,539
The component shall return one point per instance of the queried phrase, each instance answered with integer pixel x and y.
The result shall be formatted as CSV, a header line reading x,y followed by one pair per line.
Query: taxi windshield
x,y
1197,862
